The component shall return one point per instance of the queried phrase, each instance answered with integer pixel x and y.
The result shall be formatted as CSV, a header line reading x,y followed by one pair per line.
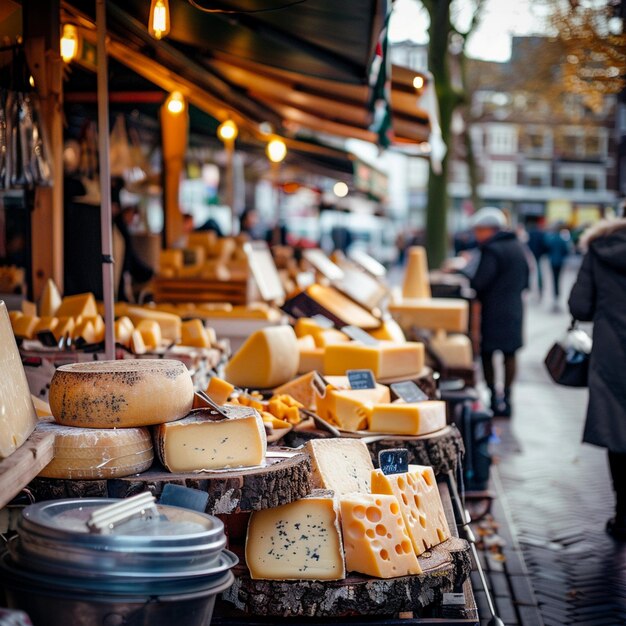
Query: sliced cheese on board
x,y
328,336
17,414
193,333
82,304
120,394
386,359
410,418
341,465
137,345
150,333
268,358
306,326
301,389
201,441
50,300
219,390
65,327
297,541
171,325
97,453
350,409
420,504
98,327
416,283
84,331
451,314
375,537
454,350
24,326
123,330
45,323
389,331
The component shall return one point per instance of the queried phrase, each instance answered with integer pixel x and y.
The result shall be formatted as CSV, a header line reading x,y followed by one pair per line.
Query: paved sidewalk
x,y
557,490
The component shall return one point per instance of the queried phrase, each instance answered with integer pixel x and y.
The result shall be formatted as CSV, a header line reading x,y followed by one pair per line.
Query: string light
x,y
340,189
418,82
227,131
69,42
159,24
175,103
276,150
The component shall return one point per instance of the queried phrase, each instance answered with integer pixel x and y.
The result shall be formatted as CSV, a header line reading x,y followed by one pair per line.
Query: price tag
x,y
322,321
394,461
361,379
456,599
408,391
358,334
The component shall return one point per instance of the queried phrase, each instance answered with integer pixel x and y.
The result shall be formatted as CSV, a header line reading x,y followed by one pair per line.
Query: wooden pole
x,y
229,144
106,217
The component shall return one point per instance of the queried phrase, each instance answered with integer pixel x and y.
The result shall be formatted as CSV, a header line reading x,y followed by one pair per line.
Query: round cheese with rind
x,y
121,394
97,453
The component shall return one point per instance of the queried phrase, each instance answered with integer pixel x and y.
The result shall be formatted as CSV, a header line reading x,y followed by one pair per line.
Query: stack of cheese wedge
x,y
359,520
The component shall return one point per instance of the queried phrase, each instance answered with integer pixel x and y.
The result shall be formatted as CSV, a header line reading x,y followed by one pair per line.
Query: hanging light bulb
x,y
418,82
175,103
227,131
159,23
69,42
276,150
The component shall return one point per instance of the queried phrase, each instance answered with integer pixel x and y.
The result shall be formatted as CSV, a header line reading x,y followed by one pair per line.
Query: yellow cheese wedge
x,y
50,300
268,358
219,390
150,333
98,327
83,304
297,541
416,283
14,315
342,307
454,350
329,336
17,415
171,325
417,418
375,537
341,465
449,314
389,331
306,326
301,389
29,308
171,258
193,333
123,331
42,408
97,453
84,331
120,394
385,359
24,326
64,327
420,504
137,345
198,442
350,409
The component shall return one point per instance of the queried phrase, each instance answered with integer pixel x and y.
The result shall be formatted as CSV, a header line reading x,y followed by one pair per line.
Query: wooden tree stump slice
x,y
442,450
445,566
283,480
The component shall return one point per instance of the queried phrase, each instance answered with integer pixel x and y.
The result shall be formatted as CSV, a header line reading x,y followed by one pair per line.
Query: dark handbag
x,y
567,361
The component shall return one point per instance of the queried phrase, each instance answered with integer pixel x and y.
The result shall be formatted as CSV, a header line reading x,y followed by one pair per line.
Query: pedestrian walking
x,y
536,243
557,248
599,295
500,277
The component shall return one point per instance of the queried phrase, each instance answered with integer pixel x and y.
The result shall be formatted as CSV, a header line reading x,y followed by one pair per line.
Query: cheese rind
x,y
420,504
269,357
341,465
197,442
121,394
96,453
385,359
17,414
415,418
375,537
296,541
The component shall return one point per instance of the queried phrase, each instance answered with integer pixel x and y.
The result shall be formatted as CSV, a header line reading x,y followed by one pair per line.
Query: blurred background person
x,y
536,243
557,244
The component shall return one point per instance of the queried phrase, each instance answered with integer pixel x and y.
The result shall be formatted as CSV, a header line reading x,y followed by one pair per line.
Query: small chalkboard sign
x,y
358,334
394,461
361,379
408,391
322,321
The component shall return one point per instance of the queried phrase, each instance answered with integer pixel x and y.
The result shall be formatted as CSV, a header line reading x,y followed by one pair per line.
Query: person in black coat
x,y
599,295
500,276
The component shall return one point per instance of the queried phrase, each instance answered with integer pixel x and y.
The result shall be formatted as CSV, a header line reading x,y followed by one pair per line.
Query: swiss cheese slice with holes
x,y
121,394
420,504
297,541
96,453
375,537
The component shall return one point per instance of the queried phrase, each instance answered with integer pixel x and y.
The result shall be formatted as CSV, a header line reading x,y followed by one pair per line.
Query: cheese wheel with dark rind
x,y
121,394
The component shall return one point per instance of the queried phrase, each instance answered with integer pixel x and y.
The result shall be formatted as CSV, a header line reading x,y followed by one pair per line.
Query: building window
x,y
502,139
582,178
501,174
537,174
590,183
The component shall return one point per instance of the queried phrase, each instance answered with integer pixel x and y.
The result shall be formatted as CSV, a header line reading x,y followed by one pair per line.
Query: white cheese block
x,y
96,453
408,418
341,465
199,442
121,394
454,350
297,541
17,414
451,314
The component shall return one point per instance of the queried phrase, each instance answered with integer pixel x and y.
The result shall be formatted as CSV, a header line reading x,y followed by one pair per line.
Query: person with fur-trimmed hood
x,y
599,295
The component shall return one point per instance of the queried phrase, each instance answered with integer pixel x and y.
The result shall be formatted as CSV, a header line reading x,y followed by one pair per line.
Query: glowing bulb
x,y
276,150
159,24
69,43
175,103
340,189
227,131
418,82
31,81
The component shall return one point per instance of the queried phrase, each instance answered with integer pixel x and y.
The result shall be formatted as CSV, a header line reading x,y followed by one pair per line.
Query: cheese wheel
x,y
121,394
96,453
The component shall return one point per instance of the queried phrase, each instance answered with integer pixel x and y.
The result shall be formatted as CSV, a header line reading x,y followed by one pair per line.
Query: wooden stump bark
x,y
281,481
